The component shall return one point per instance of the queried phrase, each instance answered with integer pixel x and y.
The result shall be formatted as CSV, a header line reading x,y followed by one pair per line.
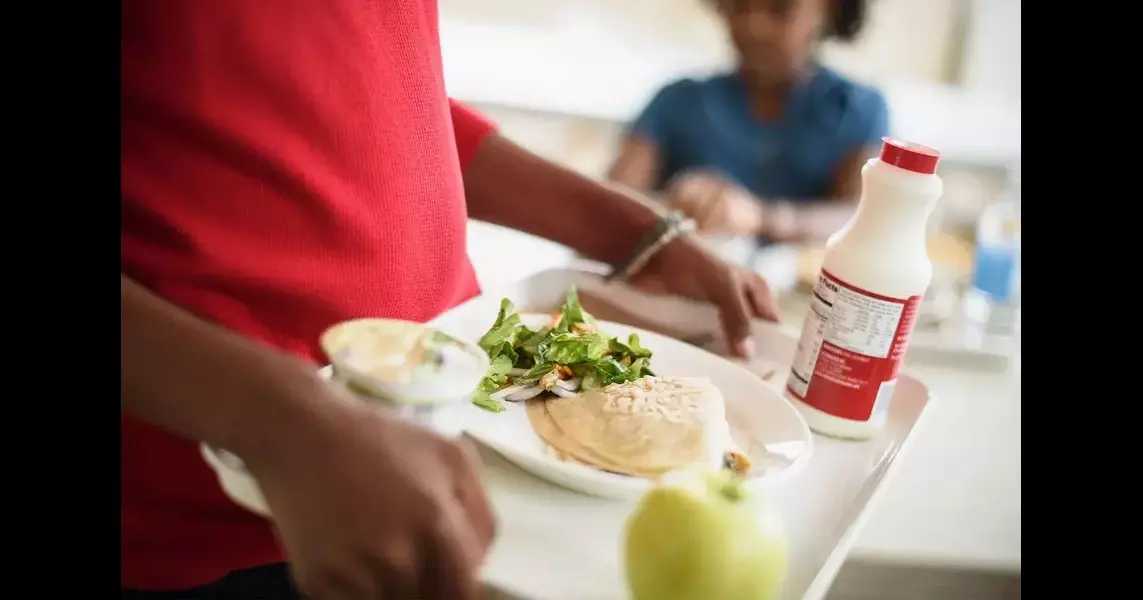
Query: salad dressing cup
x,y
401,368
407,369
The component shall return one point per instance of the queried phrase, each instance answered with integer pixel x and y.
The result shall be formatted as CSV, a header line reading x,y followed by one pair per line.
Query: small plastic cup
x,y
400,367
407,369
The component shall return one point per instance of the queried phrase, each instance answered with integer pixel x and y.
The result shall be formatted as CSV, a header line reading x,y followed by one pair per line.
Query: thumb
x,y
734,315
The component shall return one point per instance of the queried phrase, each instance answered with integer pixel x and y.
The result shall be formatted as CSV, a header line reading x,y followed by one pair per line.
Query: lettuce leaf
x,y
632,349
568,348
483,400
530,344
607,370
503,330
534,374
574,341
572,313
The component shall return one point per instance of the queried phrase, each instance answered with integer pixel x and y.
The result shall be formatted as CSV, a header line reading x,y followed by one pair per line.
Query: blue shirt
x,y
710,124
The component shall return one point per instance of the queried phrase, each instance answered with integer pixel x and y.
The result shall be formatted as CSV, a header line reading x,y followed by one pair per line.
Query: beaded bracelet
x,y
669,227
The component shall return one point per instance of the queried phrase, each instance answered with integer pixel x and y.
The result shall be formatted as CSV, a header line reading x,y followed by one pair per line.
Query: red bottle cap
x,y
909,156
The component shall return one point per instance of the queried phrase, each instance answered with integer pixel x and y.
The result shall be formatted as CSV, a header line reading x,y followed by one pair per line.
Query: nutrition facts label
x,y
863,324
850,350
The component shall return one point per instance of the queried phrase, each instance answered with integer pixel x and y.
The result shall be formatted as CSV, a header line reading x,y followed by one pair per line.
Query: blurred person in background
x,y
773,150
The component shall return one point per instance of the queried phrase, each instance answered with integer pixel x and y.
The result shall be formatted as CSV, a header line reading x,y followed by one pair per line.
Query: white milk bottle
x,y
874,273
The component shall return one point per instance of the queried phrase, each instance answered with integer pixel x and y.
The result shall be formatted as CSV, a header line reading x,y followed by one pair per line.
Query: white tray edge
x,y
820,586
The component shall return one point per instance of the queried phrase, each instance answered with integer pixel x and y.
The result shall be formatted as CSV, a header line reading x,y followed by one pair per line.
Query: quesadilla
x,y
643,428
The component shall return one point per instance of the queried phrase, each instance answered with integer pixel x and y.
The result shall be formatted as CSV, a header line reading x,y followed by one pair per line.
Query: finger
x,y
734,315
452,558
707,209
690,205
392,569
681,191
690,193
762,300
469,493
400,582
336,583
721,219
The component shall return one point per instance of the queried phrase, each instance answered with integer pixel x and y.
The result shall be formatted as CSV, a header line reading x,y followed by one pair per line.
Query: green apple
x,y
699,535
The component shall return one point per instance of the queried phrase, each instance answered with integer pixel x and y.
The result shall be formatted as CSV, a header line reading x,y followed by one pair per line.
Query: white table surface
x,y
955,500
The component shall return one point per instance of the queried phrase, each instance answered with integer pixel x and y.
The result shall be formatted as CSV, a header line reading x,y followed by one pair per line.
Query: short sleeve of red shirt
x,y
470,128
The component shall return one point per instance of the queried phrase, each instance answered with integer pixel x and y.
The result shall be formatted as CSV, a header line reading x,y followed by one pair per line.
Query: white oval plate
x,y
764,424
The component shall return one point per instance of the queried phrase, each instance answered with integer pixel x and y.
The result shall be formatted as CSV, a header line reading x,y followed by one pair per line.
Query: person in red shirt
x,y
287,165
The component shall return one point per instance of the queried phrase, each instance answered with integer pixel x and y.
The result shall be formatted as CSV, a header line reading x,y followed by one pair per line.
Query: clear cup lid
x,y
403,361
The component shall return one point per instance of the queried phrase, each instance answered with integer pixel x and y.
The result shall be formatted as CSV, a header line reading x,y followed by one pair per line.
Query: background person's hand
x,y
686,268
717,205
371,507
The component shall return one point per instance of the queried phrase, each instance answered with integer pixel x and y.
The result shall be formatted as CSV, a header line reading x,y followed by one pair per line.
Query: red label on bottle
x,y
852,345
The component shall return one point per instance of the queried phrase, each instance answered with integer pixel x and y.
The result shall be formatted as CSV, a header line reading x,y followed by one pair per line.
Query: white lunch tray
x,y
554,544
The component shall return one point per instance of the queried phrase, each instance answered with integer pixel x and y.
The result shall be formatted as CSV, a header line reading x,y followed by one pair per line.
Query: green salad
x,y
568,355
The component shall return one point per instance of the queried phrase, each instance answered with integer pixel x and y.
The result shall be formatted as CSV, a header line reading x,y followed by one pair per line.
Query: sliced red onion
x,y
562,392
570,385
504,393
525,394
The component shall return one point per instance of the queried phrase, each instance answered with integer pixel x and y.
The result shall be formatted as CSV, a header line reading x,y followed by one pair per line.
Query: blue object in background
x,y
994,270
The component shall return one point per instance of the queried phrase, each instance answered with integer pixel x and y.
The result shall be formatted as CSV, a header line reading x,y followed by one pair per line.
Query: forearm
x,y
811,221
637,165
204,383
509,186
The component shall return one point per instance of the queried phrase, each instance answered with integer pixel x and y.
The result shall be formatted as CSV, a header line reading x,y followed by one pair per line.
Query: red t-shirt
x,y
285,165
